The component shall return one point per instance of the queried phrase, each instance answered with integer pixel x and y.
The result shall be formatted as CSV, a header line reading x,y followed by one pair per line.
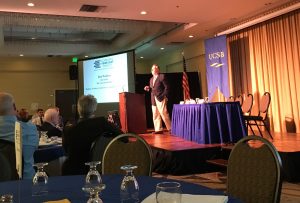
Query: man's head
x,y
40,112
51,116
24,115
155,69
87,105
6,104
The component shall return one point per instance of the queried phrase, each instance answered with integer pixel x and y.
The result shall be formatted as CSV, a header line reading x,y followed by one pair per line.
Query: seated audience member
x,y
51,119
38,118
78,139
7,132
30,141
60,124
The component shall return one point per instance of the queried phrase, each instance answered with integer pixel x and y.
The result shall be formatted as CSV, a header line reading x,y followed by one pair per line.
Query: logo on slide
x,y
103,63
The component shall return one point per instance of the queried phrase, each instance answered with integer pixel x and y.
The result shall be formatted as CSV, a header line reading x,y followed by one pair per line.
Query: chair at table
x,y
98,148
254,171
247,105
260,119
240,99
5,173
134,152
231,99
8,161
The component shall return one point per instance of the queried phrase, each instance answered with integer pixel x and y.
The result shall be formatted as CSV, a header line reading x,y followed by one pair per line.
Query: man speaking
x,y
159,90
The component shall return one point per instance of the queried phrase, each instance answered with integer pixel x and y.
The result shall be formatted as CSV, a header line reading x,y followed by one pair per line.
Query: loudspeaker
x,y
73,72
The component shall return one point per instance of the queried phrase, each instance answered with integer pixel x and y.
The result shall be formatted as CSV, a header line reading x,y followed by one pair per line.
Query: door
x,y
66,101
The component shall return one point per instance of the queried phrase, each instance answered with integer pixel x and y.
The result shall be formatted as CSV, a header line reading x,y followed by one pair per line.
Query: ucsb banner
x,y
216,65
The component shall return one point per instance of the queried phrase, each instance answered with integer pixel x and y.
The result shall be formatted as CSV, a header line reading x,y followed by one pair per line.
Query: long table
x,y
209,123
69,187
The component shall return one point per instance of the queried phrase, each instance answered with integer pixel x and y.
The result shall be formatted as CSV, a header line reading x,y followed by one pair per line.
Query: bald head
x,y
6,104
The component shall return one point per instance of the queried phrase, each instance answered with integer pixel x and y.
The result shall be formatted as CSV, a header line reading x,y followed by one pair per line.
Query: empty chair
x,y
254,171
260,119
134,152
98,148
240,99
247,105
231,99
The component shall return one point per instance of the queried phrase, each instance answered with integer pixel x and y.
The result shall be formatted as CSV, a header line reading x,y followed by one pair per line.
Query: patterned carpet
x,y
290,192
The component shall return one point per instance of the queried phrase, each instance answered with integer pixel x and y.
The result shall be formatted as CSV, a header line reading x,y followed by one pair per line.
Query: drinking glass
x,y
206,100
7,198
44,136
129,190
168,192
93,177
93,192
40,180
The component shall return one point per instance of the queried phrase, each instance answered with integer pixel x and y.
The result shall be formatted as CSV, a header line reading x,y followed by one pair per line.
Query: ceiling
x,y
58,28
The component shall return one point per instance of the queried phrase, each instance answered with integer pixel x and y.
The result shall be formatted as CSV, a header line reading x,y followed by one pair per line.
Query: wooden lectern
x,y
132,112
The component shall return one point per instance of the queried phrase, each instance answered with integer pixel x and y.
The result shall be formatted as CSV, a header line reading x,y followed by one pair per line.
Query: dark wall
x,y
176,92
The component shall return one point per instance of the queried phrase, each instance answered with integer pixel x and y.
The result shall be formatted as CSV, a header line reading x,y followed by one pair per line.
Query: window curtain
x,y
266,57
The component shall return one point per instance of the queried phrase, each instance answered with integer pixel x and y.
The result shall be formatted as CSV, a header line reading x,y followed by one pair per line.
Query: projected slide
x,y
106,77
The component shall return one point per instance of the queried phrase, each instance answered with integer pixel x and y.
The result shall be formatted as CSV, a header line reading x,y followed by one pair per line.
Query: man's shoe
x,y
158,132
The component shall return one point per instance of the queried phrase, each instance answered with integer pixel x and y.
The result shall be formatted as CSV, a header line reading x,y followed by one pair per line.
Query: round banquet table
x,y
61,187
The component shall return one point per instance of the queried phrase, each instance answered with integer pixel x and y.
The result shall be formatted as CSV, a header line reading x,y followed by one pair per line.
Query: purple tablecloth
x,y
209,123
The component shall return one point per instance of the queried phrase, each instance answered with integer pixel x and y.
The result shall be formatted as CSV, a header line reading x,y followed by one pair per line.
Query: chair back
x,y
231,99
247,104
133,152
5,173
265,102
240,99
8,159
98,148
254,171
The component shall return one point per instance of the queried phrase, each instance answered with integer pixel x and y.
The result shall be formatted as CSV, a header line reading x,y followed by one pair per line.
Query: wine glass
x,y
40,180
93,177
129,190
7,198
168,192
93,192
44,136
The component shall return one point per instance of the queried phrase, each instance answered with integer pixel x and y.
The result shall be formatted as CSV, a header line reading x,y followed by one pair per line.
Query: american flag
x,y
185,82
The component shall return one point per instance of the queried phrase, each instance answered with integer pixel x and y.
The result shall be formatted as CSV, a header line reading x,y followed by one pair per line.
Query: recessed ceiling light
x,y
191,36
21,55
141,57
86,56
33,38
162,48
30,4
143,12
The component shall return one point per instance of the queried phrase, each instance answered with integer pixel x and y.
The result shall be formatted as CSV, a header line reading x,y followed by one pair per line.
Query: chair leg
x,y
267,130
251,129
258,129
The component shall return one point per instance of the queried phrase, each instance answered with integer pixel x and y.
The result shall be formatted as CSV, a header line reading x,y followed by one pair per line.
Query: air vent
x,y
175,43
91,8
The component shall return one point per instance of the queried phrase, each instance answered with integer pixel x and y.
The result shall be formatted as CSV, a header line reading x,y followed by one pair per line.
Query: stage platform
x,y
176,156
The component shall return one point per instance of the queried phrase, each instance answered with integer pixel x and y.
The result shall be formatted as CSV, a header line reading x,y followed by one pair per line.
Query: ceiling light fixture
x,y
86,56
191,36
141,57
21,55
143,12
33,38
30,4
162,48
